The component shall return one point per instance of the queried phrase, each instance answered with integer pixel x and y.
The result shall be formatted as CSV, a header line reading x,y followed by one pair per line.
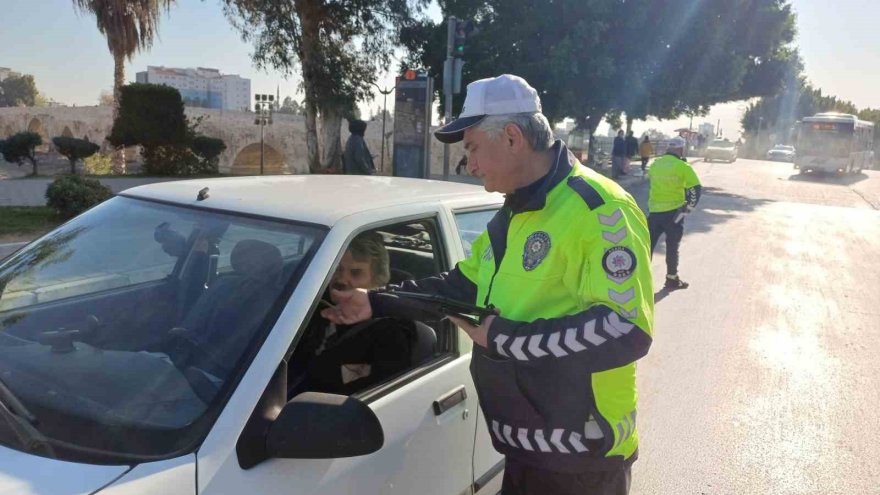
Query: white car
x,y
721,150
782,153
147,346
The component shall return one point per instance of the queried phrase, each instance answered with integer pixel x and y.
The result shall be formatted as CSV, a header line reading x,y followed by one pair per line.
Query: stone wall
x,y
284,140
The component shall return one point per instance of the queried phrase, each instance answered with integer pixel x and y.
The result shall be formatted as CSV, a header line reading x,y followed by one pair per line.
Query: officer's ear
x,y
513,137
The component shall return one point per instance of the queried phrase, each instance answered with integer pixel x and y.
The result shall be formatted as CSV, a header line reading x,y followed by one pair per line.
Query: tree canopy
x,y
74,149
591,57
20,148
799,100
338,47
18,91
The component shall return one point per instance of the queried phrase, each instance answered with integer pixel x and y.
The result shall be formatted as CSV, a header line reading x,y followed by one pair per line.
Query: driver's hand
x,y
352,306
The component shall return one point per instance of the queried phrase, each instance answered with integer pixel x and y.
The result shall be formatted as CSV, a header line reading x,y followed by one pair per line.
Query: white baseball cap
x,y
500,95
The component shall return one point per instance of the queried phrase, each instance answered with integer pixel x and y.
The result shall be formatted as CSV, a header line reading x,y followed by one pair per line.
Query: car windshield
x,y
123,330
782,148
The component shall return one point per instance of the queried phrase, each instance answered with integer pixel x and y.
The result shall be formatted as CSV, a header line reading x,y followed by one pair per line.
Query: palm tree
x,y
130,26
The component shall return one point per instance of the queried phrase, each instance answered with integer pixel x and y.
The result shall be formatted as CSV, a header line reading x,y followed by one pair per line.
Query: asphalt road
x,y
762,378
763,374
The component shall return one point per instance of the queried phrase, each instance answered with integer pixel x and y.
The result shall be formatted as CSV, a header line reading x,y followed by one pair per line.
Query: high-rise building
x,y
202,87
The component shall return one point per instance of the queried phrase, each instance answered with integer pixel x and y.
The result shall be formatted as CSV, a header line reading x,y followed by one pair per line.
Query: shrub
x,y
149,115
98,164
169,160
70,195
74,149
20,147
209,150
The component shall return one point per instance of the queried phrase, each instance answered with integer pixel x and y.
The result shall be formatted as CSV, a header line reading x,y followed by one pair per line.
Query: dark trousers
x,y
644,163
520,479
664,223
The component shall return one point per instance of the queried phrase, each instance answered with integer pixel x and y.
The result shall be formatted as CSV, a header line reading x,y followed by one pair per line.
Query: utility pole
x,y
385,92
448,66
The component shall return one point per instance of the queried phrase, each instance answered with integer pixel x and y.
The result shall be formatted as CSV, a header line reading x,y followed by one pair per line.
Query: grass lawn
x,y
22,221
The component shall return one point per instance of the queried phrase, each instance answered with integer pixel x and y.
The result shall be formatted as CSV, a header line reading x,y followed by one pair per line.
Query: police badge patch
x,y
619,262
536,249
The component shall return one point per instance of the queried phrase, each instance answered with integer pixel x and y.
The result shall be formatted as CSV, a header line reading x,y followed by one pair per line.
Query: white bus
x,y
834,142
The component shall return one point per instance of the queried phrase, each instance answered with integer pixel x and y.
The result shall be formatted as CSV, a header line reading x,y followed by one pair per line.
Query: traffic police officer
x,y
566,262
674,192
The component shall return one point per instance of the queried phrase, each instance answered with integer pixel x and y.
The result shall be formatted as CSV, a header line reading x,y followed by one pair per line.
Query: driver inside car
x,y
344,359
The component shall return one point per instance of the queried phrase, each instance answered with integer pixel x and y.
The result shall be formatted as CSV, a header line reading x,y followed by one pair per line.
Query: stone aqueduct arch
x,y
247,161
286,150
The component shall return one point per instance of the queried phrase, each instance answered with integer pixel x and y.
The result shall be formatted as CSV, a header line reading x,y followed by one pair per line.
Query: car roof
x,y
321,199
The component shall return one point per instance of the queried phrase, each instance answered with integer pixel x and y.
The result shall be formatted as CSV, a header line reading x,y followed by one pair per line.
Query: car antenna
x,y
203,195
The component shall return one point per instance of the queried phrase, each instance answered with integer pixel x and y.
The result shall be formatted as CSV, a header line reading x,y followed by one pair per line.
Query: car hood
x,y
27,474
722,150
781,152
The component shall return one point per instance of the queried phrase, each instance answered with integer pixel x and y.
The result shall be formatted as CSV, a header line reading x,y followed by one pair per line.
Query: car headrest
x,y
257,260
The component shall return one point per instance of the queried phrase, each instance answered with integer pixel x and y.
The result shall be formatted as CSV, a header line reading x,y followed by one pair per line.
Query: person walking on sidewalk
x,y
567,264
356,159
646,150
674,192
632,148
618,155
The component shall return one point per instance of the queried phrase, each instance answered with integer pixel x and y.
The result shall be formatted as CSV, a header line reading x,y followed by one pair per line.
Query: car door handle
x,y
449,400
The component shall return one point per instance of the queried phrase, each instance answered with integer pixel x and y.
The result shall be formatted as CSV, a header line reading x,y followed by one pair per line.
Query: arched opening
x,y
36,126
247,162
66,132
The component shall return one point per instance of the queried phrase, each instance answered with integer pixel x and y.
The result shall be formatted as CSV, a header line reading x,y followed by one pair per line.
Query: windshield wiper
x,y
21,422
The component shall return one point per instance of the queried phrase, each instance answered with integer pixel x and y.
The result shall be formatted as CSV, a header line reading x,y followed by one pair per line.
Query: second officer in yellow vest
x,y
674,192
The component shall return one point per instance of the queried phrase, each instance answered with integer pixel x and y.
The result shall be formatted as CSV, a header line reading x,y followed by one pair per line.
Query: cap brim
x,y
454,131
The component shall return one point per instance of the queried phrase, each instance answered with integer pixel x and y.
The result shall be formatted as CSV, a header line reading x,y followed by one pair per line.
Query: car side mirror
x,y
324,426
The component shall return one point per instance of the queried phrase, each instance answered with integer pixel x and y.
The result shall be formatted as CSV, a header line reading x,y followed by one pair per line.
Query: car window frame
x,y
471,209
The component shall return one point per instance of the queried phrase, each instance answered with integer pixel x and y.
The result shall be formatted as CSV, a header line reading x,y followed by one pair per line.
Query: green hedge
x,y
70,195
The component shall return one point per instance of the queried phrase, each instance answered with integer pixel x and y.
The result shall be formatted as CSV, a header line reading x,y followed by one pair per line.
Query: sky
x,y
69,59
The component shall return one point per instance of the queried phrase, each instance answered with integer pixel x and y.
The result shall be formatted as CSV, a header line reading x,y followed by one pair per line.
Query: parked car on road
x,y
721,149
781,153
150,345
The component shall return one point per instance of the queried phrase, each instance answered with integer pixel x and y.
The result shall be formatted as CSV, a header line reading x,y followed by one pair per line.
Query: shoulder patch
x,y
587,192
619,262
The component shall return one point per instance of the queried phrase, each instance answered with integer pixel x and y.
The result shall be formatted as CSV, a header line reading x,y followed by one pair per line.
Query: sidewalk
x,y
32,192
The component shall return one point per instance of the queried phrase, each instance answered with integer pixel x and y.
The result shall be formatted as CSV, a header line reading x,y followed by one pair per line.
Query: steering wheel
x,y
185,351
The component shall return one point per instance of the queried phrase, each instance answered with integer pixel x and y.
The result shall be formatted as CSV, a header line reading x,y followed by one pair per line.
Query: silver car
x,y
781,153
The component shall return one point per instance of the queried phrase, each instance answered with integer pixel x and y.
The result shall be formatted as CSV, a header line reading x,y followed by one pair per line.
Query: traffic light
x,y
463,29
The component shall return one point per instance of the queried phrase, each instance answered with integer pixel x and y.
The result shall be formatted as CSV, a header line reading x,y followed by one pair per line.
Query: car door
x,y
471,220
428,413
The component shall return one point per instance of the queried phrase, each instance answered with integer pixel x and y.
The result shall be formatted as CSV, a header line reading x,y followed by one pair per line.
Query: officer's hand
x,y
352,306
479,334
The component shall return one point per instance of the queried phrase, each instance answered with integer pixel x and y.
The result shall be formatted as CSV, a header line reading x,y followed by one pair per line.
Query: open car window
x,y
381,353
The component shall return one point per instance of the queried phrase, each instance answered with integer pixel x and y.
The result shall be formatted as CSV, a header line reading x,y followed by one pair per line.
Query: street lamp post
x,y
263,108
385,93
